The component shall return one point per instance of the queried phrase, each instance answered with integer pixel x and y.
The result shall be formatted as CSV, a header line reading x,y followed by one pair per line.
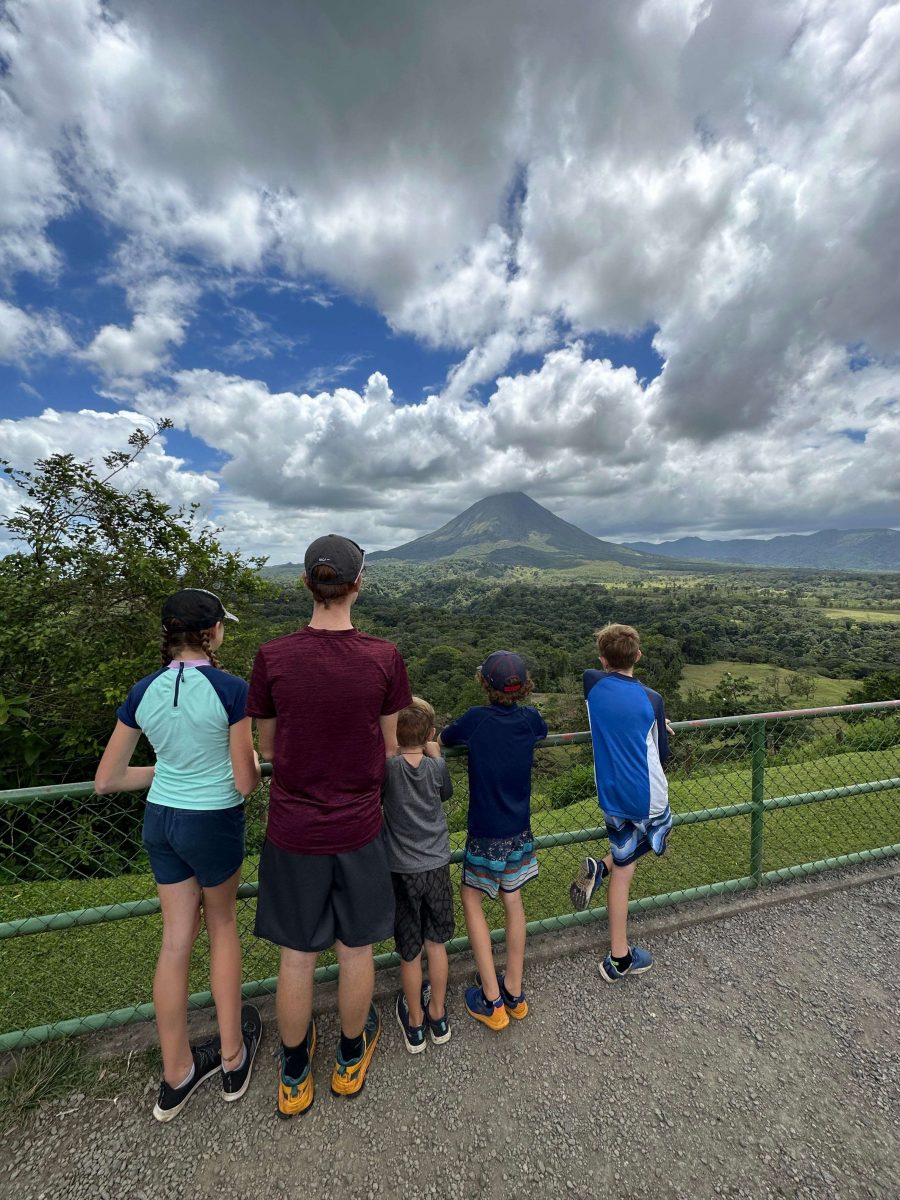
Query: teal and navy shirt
x,y
185,711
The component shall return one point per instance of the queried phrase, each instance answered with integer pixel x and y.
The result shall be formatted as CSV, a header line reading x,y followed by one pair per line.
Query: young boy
x,y
499,856
630,742
416,784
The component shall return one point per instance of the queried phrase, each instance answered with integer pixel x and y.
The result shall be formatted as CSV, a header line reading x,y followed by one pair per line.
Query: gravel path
x,y
759,1058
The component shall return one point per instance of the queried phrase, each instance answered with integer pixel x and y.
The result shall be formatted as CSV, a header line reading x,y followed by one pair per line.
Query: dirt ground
x,y
759,1058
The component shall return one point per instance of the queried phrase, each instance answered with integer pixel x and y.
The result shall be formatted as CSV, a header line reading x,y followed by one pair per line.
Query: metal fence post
x,y
757,798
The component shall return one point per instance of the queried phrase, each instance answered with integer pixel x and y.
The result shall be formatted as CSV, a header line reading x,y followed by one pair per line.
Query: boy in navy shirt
x,y
499,856
629,735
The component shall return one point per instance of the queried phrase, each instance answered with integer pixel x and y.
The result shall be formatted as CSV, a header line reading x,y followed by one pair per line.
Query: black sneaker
x,y
440,1028
236,1082
413,1035
170,1101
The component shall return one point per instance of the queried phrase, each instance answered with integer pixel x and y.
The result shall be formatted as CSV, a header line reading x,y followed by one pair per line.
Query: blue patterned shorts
x,y
495,865
628,840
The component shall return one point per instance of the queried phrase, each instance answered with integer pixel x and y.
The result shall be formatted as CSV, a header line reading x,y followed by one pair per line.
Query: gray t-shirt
x,y
415,828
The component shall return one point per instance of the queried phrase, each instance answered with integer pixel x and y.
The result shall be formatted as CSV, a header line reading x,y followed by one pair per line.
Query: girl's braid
x,y
165,648
205,647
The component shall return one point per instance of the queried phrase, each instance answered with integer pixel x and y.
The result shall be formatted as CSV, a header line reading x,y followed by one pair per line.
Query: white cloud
x,y
90,435
25,335
499,181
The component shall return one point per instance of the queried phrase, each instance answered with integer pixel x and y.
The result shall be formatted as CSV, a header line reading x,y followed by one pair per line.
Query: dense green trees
x,y
81,601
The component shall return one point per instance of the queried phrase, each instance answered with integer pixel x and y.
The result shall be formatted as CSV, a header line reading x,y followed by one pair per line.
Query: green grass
x,y
705,677
53,976
56,1069
862,614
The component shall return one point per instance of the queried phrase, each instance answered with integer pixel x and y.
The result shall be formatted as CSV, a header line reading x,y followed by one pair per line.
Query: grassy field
x,y
50,977
705,677
862,614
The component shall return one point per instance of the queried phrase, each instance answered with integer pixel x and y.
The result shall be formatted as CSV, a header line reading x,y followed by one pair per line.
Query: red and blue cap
x,y
504,671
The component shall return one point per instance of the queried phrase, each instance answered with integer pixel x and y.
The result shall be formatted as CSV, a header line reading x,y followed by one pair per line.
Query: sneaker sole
x,y
365,1071
583,888
442,1038
169,1114
410,1049
519,1013
495,1025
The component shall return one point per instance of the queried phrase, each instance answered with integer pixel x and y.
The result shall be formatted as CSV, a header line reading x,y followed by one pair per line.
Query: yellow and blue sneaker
x,y
295,1096
516,1006
348,1077
490,1012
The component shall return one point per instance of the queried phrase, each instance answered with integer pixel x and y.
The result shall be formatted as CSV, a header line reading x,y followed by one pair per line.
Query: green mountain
x,y
832,549
511,529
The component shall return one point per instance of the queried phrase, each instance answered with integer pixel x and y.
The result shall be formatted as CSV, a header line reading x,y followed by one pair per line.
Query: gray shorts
x,y
309,901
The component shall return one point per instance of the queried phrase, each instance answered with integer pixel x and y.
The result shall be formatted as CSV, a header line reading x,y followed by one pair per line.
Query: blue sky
x,y
641,267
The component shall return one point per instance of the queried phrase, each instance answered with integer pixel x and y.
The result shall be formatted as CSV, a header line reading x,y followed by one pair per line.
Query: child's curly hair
x,y
522,692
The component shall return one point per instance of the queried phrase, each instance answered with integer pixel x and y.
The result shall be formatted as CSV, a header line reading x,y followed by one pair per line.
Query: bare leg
x,y
438,972
617,903
180,904
356,983
411,978
220,912
480,937
515,941
294,997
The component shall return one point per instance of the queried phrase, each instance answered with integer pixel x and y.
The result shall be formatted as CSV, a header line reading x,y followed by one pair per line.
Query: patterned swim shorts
x,y
628,840
499,864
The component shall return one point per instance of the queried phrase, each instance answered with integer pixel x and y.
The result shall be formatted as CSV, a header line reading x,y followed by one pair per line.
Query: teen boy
x,y
629,735
326,700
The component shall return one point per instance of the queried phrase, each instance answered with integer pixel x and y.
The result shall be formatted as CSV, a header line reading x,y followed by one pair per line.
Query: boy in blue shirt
x,y
499,855
630,742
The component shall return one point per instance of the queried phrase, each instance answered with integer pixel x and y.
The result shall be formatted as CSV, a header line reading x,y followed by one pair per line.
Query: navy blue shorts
x,y
185,842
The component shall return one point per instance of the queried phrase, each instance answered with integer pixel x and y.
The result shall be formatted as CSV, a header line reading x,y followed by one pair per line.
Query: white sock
x,y
187,1079
240,1064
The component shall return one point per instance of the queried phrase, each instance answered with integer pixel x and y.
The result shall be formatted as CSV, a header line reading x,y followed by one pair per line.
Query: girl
x,y
192,713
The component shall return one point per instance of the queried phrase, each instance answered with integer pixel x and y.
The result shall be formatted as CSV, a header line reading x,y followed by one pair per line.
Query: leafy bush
x,y
571,787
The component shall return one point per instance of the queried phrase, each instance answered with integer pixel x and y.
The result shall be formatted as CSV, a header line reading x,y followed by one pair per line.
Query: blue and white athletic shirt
x,y
628,731
185,710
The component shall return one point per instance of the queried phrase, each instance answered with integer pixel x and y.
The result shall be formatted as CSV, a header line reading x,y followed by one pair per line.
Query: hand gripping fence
x,y
756,799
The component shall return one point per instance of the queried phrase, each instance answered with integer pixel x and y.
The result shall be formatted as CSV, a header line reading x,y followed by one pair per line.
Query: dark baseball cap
x,y
504,671
340,553
193,609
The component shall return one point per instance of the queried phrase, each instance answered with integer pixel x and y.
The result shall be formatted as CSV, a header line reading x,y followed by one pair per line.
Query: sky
x,y
640,261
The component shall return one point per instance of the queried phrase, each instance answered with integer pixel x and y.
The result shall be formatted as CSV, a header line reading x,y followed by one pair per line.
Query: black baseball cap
x,y
193,609
504,671
340,553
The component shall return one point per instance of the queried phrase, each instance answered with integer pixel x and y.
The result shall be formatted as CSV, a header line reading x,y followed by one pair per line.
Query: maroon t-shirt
x,y
327,689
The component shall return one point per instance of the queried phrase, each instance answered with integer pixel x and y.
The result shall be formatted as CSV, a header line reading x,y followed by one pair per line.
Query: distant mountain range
x,y
834,549
511,529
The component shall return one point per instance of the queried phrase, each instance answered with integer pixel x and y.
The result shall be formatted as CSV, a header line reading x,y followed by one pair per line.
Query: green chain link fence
x,y
756,799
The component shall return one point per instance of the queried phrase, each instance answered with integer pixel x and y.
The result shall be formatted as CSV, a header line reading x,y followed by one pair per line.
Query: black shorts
x,y
424,910
309,901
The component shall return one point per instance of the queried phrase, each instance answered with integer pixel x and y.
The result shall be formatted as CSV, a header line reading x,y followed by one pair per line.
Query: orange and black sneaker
x,y
296,1095
348,1077
516,1006
490,1012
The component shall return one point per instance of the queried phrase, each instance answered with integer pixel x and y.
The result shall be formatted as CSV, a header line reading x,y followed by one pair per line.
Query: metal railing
x,y
756,799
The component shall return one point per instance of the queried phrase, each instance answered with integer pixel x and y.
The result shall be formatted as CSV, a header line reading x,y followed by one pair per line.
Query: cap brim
x,y
230,616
